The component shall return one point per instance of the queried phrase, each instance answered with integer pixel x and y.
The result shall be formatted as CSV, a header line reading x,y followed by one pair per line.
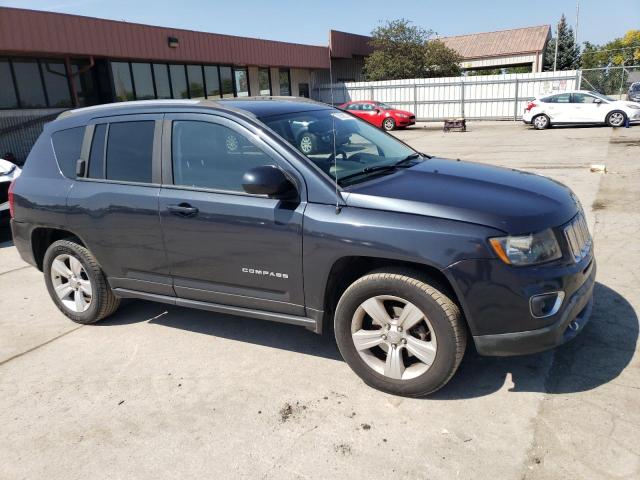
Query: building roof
x,y
500,43
45,33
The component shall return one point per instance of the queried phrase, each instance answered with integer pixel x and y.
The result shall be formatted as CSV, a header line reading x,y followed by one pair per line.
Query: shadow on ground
x,y
597,356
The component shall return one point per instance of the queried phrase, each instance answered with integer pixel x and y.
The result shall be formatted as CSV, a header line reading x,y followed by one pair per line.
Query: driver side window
x,y
209,155
583,98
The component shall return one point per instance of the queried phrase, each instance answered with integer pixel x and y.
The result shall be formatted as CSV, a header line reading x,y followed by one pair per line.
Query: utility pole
x,y
577,20
555,55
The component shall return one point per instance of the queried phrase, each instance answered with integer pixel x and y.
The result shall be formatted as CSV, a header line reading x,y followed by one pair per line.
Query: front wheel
x,y
388,124
399,333
77,284
616,119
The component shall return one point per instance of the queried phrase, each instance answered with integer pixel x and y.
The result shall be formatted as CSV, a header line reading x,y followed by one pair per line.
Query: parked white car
x,y
580,106
8,173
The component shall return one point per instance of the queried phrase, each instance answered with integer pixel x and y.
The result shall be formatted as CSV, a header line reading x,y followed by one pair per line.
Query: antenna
x,y
333,132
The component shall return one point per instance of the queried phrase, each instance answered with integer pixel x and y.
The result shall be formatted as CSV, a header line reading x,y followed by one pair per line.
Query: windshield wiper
x,y
403,163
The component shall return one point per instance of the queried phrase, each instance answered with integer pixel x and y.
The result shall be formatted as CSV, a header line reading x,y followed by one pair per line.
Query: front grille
x,y
412,117
578,237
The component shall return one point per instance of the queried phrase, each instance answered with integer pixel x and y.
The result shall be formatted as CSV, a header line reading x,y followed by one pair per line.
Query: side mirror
x,y
377,110
598,101
269,180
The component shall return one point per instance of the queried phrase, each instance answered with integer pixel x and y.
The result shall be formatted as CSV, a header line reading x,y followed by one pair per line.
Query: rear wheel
x,y
388,124
540,122
401,334
616,119
77,284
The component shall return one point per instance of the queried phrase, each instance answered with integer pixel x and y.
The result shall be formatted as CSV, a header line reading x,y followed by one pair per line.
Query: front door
x,y
587,108
223,245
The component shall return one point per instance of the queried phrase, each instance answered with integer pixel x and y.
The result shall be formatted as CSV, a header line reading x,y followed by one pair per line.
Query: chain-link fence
x,y
612,81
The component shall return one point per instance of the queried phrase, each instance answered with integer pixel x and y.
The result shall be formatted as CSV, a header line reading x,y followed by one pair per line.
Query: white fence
x,y
489,97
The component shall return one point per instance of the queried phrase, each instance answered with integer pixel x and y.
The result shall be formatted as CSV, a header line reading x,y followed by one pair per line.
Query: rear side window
x,y
67,145
130,151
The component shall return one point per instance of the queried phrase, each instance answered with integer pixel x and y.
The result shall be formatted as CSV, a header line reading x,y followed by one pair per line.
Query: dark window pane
x,y
67,145
226,80
196,84
143,81
96,157
122,81
55,81
264,81
29,83
130,151
8,97
178,81
303,90
285,83
212,81
242,82
161,74
208,155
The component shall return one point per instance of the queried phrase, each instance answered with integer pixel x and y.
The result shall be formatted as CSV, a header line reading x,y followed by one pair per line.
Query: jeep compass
x,y
404,257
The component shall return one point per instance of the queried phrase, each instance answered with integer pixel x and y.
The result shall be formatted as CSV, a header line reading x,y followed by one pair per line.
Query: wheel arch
x,y
43,237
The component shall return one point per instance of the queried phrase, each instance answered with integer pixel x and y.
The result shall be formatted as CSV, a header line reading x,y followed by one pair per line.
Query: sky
x,y
309,22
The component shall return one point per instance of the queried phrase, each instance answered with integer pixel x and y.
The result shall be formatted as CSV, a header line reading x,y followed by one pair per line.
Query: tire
x,y
308,143
439,337
82,269
388,124
540,122
616,119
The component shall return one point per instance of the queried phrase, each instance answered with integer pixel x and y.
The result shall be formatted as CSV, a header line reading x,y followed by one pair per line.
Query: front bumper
x,y
575,315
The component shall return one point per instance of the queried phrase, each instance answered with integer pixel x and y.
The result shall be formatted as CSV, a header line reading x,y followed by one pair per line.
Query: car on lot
x,y
402,256
634,92
8,172
380,114
579,106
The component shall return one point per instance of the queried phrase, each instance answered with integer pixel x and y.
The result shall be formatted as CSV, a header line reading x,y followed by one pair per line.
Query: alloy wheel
x,y
388,124
393,337
71,283
616,119
540,122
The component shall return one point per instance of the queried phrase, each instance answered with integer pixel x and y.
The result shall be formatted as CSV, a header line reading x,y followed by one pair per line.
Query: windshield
x,y
362,151
603,97
635,87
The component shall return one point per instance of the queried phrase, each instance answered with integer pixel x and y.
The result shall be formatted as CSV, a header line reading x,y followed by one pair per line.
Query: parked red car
x,y
380,114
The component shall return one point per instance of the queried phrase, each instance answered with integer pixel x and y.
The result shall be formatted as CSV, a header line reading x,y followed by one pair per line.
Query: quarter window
x,y
67,145
130,151
209,155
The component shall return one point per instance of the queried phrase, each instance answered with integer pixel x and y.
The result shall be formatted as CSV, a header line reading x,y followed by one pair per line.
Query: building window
x,y
303,90
143,81
8,98
196,83
226,82
122,83
212,81
178,81
56,84
264,81
285,82
161,76
29,83
241,82
129,151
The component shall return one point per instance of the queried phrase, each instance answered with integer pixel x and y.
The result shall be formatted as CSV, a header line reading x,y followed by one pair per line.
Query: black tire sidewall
x,y
69,248
445,361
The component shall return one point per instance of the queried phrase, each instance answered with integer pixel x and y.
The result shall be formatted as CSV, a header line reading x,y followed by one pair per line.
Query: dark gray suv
x,y
213,205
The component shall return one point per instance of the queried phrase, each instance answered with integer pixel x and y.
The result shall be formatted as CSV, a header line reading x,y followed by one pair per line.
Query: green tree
x,y
568,52
402,51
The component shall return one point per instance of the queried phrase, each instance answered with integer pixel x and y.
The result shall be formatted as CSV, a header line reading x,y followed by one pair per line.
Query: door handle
x,y
182,210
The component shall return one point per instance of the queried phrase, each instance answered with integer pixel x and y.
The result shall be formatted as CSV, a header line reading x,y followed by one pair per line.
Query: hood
x,y
510,200
396,111
627,103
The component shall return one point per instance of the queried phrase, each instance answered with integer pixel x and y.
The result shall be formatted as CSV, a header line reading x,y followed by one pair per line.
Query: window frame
x,y
224,121
155,154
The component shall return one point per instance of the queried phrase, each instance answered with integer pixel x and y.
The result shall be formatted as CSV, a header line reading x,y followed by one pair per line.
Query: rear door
x,y
223,245
560,109
114,207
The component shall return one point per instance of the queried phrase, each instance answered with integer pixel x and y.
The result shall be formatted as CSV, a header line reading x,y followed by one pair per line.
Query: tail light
x,y
530,105
11,198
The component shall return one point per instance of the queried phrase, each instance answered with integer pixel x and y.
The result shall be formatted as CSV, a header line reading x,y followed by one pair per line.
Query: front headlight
x,y
402,115
635,107
529,249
